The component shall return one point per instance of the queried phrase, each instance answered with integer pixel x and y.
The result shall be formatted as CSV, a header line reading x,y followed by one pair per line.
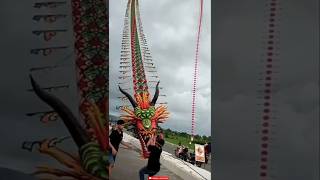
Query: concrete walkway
x,y
128,164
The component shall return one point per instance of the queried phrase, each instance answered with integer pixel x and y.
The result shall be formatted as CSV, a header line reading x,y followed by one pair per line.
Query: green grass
x,y
184,141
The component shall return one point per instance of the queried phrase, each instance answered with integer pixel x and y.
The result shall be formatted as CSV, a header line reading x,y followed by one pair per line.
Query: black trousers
x,y
144,171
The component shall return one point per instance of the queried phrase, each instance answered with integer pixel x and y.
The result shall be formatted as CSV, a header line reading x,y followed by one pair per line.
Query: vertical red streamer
x,y
271,53
196,70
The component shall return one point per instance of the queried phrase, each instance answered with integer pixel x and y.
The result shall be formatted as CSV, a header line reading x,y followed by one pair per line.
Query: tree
x,y
183,134
209,139
197,137
204,137
166,135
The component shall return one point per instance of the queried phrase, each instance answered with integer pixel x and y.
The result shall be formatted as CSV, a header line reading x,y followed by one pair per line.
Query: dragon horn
x,y
132,101
156,94
77,132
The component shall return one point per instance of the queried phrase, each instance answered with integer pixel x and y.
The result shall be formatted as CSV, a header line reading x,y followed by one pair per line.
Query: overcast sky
x,y
170,28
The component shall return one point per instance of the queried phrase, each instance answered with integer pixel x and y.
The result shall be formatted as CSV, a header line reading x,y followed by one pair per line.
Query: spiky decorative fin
x,y
98,124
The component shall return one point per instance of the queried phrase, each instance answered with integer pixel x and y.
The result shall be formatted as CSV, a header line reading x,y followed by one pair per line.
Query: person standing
x,y
115,139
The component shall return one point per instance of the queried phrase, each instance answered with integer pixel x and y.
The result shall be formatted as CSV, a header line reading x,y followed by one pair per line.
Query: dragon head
x,y
145,116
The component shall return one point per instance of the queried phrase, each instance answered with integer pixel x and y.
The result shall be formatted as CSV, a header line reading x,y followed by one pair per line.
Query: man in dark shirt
x,y
115,138
155,148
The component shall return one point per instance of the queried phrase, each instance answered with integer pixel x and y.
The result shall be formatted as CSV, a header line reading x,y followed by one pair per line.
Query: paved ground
x,y
128,164
170,148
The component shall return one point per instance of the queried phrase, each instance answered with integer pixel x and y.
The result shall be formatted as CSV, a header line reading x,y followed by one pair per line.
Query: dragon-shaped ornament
x,y
144,116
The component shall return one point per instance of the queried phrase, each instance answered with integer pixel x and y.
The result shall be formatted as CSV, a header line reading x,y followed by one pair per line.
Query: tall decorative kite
x,y
145,116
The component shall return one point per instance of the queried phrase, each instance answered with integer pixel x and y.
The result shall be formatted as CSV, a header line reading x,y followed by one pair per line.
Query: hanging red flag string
x,y
196,71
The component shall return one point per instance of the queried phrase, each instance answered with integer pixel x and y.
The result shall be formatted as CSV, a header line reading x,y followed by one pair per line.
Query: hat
x,y
120,122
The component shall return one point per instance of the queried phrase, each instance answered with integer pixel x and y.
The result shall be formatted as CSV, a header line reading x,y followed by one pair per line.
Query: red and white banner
x,y
199,153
